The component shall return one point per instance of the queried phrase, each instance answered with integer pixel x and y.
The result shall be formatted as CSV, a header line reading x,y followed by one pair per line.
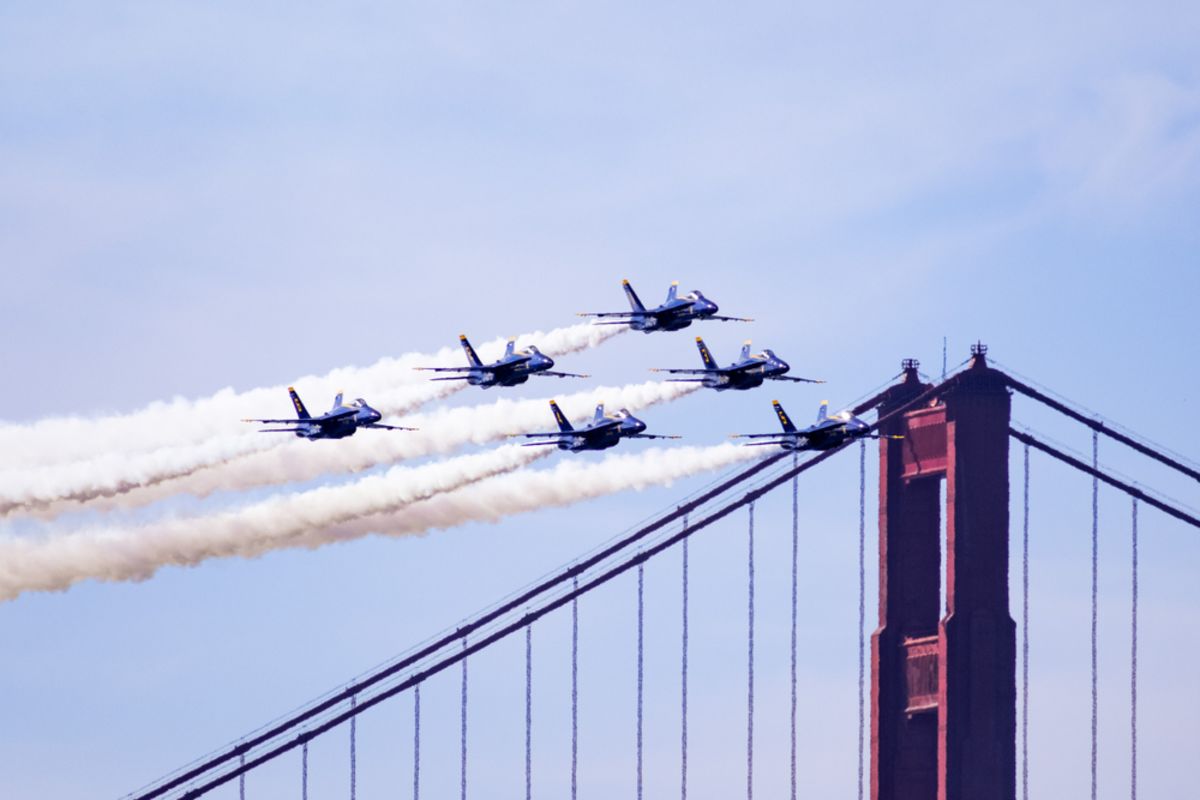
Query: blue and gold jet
x,y
825,434
745,373
512,369
605,431
337,423
676,313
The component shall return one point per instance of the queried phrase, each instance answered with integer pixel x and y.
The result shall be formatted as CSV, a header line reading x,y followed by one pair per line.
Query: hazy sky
x,y
195,196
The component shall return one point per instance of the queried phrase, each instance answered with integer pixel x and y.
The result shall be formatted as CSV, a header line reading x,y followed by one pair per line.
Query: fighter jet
x,y
827,433
604,431
337,423
674,314
745,373
513,369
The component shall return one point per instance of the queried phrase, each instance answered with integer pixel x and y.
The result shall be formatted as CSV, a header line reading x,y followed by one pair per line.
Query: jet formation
x,y
516,367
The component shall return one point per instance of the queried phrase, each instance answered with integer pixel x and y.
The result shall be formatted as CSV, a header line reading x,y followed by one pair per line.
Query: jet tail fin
x,y
784,419
510,348
673,291
823,411
301,411
470,351
564,424
634,302
337,400
705,356
746,350
599,415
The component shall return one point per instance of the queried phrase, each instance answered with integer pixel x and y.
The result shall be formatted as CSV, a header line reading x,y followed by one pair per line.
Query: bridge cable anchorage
x,y
1025,638
683,676
862,605
268,735
575,689
463,729
1095,604
304,772
353,750
750,658
795,560
1133,656
417,742
242,777
641,576
529,712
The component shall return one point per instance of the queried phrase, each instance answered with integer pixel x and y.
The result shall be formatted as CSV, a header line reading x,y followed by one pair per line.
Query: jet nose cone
x,y
547,362
782,365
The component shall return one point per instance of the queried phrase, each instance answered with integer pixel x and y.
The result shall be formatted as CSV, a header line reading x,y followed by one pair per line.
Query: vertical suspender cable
x,y
1133,644
574,690
1025,638
683,676
417,742
528,712
750,660
242,778
463,730
1095,603
641,575
353,749
304,772
862,604
795,559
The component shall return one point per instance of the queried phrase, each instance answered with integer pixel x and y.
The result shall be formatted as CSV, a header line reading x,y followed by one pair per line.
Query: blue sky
x,y
195,196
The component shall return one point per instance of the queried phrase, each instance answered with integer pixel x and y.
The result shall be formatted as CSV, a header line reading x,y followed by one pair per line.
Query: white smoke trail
x,y
233,463
390,385
569,482
58,562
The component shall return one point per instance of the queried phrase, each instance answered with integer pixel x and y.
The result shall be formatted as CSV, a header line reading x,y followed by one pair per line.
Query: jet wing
x,y
625,314
388,427
776,435
278,421
795,380
651,436
281,430
553,374
729,319
689,371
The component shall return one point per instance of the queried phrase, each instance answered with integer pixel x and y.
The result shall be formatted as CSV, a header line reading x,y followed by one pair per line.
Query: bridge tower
x,y
943,691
